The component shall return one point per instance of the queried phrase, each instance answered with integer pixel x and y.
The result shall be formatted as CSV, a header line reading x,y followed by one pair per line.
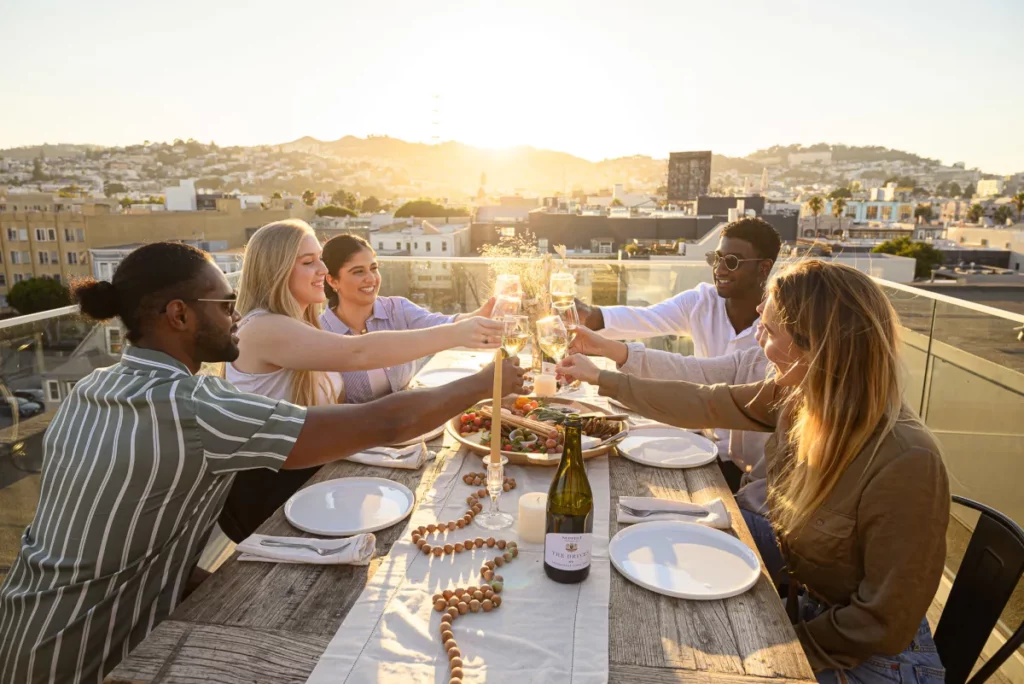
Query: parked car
x,y
36,396
26,408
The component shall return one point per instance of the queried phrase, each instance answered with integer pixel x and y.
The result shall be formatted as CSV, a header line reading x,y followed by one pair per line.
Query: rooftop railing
x,y
964,361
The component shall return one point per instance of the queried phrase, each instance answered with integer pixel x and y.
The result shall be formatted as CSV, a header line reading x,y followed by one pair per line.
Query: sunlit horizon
x,y
595,82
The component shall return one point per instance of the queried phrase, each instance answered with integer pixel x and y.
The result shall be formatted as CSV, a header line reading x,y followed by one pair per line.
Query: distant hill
x,y
58,150
843,153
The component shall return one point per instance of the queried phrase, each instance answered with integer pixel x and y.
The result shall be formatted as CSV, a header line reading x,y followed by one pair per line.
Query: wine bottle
x,y
570,514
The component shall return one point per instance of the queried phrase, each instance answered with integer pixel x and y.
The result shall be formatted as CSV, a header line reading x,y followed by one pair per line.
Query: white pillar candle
x,y
533,511
544,385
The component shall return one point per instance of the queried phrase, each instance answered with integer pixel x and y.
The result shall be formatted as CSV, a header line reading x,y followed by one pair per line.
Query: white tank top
x,y
276,384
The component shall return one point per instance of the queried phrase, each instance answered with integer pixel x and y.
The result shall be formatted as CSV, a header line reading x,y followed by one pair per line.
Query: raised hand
x,y
511,377
590,316
477,333
579,367
590,343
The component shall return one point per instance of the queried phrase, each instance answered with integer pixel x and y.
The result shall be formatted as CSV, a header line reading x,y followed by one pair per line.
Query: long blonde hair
x,y
852,391
267,267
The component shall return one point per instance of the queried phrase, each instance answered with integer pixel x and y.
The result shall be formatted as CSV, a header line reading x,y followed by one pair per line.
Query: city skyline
x,y
593,82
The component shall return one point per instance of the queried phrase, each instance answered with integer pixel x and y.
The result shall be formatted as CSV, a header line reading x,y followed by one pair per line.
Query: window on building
x,y
18,277
507,231
872,213
887,213
23,234
51,234
906,212
52,391
69,235
12,234
54,257
416,245
428,246
542,245
3,279
984,242
69,386
26,257
72,258
114,340
444,246
44,258
3,301
79,235
40,234
15,257
380,245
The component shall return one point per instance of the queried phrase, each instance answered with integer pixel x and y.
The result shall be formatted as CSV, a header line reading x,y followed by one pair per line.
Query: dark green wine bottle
x,y
570,514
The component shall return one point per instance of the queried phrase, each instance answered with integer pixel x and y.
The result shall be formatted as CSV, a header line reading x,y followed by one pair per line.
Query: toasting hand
x,y
511,376
579,367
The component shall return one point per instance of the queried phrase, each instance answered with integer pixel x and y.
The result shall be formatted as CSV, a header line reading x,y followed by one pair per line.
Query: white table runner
x,y
543,632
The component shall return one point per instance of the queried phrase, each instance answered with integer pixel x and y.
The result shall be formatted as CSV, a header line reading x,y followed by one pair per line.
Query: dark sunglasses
x,y
732,262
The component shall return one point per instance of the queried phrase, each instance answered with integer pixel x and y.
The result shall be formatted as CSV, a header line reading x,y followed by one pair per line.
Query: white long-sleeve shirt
x,y
699,313
744,448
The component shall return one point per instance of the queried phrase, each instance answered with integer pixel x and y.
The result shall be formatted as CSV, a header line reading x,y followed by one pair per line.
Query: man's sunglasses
x,y
230,309
732,262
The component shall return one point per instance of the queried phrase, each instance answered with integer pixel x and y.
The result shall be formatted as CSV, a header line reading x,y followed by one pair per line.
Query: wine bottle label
x,y
567,551
547,368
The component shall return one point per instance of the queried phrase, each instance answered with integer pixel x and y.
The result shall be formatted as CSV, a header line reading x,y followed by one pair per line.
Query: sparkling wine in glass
x,y
505,305
570,317
515,335
562,287
553,337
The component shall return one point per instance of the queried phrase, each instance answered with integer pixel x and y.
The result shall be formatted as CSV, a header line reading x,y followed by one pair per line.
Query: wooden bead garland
x,y
454,603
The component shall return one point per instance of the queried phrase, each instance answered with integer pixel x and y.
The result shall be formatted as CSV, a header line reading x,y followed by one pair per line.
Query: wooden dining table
x,y
255,622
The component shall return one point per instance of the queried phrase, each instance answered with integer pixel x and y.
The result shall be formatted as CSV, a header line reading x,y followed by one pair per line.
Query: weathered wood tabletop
x,y
265,622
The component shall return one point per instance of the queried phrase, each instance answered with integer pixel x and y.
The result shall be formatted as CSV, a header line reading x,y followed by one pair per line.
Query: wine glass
x,y
508,285
570,319
515,335
553,337
493,518
504,306
562,287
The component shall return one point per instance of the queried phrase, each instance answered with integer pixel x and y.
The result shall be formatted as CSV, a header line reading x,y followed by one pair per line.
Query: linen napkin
x,y
411,457
718,515
358,550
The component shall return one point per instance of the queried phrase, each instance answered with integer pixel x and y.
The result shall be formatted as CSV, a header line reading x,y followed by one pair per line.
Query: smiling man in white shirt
x,y
720,318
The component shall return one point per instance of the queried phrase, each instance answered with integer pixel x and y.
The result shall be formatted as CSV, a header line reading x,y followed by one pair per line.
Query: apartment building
x,y
40,237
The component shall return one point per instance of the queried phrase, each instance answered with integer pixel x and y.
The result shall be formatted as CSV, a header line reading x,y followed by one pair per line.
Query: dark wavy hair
x,y
337,251
148,278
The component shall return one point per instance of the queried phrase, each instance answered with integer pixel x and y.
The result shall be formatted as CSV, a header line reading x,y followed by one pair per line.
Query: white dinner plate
x,y
425,437
664,446
685,560
441,376
349,505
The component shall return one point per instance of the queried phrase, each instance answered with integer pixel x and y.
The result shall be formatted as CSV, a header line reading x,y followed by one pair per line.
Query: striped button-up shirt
x,y
389,313
136,465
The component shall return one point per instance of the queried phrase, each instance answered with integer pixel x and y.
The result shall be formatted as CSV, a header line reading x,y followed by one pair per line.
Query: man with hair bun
x,y
139,459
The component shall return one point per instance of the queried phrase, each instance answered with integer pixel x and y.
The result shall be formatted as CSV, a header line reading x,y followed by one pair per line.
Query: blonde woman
x,y
858,496
285,355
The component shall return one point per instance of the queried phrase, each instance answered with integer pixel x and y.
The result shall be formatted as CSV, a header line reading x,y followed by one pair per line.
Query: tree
x,y
126,202
1018,201
616,202
428,209
839,193
901,181
838,209
942,189
371,205
954,189
1003,214
333,210
277,195
37,170
309,197
927,258
111,189
969,191
816,205
38,294
924,212
975,213
345,198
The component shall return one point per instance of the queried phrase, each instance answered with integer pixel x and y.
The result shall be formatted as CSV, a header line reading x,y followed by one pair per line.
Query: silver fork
x,y
638,513
316,549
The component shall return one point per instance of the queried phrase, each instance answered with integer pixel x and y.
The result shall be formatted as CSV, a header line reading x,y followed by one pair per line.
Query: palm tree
x,y
1018,201
838,208
974,213
816,205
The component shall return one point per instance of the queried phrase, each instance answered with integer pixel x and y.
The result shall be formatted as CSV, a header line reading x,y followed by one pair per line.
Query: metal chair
x,y
991,568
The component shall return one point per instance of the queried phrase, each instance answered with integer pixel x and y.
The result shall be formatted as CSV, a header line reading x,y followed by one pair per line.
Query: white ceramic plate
x,y
441,376
426,437
664,446
685,560
349,505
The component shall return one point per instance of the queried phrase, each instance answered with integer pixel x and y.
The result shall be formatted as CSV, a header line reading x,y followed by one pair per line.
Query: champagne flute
x,y
515,335
508,285
562,287
553,337
504,306
570,319
494,518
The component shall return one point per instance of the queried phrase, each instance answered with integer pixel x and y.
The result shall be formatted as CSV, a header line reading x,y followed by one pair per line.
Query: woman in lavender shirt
x,y
354,308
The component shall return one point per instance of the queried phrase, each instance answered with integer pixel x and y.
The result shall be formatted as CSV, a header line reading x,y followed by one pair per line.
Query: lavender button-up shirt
x,y
389,313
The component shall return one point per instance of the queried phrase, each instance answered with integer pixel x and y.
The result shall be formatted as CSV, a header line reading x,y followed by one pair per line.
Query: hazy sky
x,y
597,79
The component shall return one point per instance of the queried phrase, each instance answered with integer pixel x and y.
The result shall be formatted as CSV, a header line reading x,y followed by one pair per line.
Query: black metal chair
x,y
991,568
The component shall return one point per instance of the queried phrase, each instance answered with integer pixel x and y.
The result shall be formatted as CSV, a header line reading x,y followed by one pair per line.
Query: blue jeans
x,y
919,663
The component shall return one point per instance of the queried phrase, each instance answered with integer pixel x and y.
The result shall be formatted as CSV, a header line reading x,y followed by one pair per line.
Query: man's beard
x,y
213,345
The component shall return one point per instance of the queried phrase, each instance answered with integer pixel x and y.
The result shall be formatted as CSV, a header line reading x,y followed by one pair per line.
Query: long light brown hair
x,y
852,391
267,267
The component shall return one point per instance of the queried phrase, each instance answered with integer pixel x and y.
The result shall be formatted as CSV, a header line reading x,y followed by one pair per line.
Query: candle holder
x,y
494,519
